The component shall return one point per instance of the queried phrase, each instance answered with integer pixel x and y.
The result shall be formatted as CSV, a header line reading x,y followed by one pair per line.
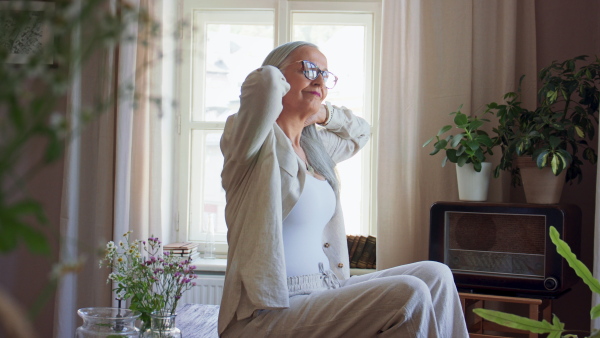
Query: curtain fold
x,y
87,201
437,56
118,172
142,133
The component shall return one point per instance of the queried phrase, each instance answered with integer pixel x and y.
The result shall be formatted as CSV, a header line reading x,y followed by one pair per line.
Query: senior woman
x,y
287,272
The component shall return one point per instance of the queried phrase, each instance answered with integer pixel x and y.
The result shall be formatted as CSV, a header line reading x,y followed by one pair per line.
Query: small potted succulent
x,y
468,148
555,134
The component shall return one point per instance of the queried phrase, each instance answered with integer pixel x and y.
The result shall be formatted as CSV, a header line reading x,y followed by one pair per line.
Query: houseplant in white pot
x,y
555,134
468,149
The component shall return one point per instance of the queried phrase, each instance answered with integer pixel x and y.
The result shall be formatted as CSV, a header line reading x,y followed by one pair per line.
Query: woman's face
x,y
305,95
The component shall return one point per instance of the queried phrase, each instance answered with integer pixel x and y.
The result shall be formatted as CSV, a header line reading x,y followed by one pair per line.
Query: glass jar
x,y
101,322
162,325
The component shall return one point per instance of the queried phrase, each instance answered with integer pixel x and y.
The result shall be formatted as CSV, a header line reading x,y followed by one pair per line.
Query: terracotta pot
x,y
473,185
541,185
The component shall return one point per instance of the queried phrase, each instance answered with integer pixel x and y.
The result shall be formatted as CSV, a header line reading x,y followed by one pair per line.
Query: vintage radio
x,y
505,248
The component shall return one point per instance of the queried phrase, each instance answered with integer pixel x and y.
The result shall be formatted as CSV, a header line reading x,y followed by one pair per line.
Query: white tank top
x,y
303,228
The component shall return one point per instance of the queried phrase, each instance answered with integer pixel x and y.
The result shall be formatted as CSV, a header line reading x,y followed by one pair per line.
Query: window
x,y
225,41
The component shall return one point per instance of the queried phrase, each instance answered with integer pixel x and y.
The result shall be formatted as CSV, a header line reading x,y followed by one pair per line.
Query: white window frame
x,y
283,10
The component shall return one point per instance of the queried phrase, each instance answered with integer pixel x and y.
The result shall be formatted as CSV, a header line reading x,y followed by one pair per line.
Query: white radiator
x,y
208,290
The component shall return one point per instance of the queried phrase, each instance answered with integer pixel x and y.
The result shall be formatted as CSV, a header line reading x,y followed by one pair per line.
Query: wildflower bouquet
x,y
153,281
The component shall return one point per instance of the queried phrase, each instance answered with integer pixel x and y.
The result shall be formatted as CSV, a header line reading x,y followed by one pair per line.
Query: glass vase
x,y
99,322
162,325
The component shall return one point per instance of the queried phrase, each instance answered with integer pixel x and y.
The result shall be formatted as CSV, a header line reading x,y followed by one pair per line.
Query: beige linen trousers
x,y
413,300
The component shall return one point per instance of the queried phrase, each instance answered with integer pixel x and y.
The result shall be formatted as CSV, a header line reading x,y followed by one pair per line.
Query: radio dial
x,y
550,283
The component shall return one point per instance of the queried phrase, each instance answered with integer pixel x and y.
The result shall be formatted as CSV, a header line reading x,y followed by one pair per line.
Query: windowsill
x,y
358,272
211,265
220,264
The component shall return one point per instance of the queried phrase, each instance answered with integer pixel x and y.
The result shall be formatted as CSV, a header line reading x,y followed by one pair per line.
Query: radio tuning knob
x,y
550,283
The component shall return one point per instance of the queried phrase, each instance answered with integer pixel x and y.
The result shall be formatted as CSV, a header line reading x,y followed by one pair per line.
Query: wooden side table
x,y
538,309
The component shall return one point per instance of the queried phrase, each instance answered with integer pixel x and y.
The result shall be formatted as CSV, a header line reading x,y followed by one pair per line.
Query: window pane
x,y
344,46
207,197
225,53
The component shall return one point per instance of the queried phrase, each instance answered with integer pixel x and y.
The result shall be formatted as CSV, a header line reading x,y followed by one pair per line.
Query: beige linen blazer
x,y
263,179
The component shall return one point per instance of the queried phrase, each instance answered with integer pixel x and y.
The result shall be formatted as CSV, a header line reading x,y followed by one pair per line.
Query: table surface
x,y
198,320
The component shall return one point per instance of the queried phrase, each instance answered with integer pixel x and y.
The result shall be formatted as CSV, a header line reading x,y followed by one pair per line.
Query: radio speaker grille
x,y
500,233
496,243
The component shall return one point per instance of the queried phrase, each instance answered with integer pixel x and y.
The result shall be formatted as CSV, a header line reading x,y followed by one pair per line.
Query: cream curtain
x,y
436,56
116,177
138,182
86,215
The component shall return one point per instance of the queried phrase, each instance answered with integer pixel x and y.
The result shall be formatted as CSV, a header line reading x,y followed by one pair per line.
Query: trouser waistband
x,y
307,284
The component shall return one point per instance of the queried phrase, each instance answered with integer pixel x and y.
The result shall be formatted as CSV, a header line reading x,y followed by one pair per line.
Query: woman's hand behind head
x,y
318,117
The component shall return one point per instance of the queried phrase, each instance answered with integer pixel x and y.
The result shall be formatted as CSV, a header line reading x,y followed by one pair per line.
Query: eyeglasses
x,y
311,72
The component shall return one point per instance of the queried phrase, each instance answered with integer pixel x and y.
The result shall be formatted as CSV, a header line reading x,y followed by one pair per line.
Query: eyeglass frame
x,y
324,73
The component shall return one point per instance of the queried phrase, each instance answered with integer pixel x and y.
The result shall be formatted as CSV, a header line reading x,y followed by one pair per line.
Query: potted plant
x,y
468,149
555,134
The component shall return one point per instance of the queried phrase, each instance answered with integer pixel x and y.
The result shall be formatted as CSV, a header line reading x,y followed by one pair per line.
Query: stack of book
x,y
361,250
185,249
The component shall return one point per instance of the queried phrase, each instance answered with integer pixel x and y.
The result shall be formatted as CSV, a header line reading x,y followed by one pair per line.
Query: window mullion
x,y
282,23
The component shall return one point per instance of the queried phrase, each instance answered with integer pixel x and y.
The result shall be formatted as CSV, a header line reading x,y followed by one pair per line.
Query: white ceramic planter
x,y
473,185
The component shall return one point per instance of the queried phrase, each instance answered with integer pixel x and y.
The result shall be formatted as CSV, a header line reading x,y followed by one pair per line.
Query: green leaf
x,y
518,322
474,145
441,144
456,140
428,141
497,172
444,161
451,154
581,270
590,155
595,312
14,226
54,149
552,96
566,157
8,233
444,129
28,207
555,164
17,115
461,119
485,139
34,239
542,158
554,142
461,160
475,124
579,131
479,155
